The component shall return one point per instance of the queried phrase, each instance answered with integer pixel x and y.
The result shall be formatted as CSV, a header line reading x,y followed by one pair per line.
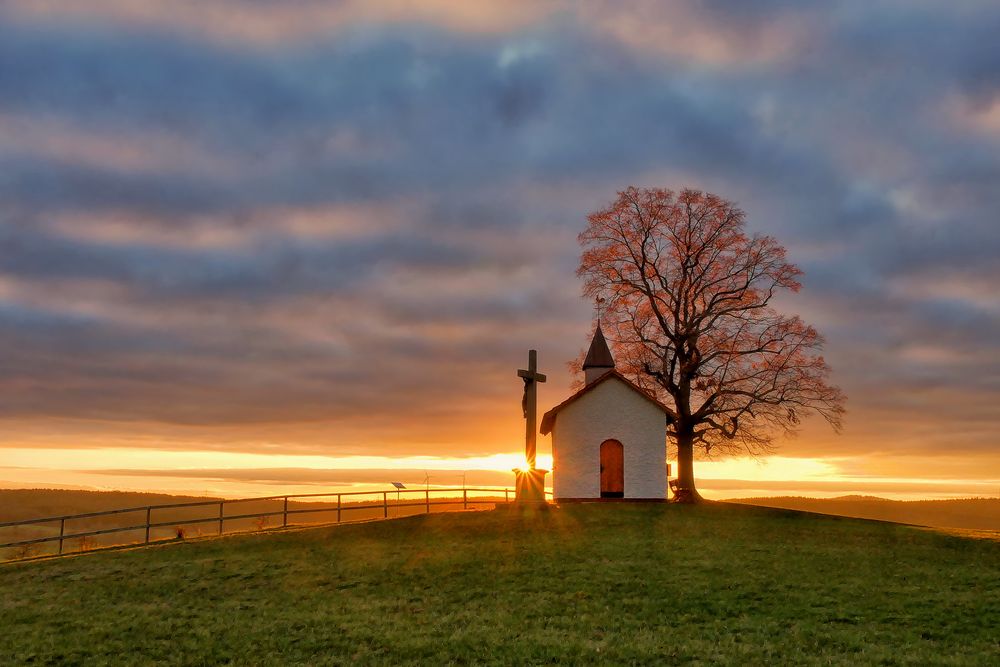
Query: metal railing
x,y
285,512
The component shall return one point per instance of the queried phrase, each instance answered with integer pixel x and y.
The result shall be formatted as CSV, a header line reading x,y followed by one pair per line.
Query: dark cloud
x,y
365,226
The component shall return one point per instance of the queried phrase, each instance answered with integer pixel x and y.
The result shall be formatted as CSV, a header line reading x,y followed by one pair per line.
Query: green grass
x,y
615,584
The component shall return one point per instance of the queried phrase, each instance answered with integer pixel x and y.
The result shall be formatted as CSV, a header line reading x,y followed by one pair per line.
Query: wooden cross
x,y
529,405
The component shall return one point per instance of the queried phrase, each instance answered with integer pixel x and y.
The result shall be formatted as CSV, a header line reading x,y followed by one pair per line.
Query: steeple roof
x,y
598,356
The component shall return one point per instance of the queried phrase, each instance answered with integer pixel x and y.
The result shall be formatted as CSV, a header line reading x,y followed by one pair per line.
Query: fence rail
x,y
340,508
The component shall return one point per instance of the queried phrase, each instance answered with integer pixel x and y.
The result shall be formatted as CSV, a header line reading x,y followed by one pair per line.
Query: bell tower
x,y
599,360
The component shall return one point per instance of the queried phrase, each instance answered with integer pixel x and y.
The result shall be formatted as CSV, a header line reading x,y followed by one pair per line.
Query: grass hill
x,y
594,583
968,513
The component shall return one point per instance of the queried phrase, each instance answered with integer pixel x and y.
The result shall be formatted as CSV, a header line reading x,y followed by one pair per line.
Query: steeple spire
x,y
599,360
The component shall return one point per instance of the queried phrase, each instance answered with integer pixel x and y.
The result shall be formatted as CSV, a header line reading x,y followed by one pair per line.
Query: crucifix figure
x,y
529,405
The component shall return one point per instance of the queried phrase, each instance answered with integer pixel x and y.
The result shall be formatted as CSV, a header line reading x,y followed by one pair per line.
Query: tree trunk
x,y
685,491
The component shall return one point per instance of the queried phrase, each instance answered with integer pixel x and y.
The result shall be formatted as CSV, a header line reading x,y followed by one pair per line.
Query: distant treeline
x,y
967,513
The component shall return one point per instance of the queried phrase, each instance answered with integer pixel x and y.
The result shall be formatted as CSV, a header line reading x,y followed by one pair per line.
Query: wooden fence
x,y
380,505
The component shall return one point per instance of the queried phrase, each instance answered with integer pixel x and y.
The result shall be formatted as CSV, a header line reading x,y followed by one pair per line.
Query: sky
x,y
257,244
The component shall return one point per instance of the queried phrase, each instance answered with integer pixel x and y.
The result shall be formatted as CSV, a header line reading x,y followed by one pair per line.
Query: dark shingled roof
x,y
599,356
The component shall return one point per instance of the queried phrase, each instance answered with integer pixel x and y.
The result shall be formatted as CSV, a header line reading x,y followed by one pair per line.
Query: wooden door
x,y
612,469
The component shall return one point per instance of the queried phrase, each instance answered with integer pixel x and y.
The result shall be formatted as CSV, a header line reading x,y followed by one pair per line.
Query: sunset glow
x,y
309,247
234,474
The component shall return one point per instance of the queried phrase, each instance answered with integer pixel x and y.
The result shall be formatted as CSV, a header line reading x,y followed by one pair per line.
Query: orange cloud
x,y
979,116
145,151
234,231
682,30
268,23
686,31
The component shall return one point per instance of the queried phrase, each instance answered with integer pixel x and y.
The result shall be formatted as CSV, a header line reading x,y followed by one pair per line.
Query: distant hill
x,y
18,504
967,513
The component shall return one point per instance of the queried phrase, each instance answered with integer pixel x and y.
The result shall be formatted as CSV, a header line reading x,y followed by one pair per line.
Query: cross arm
x,y
531,375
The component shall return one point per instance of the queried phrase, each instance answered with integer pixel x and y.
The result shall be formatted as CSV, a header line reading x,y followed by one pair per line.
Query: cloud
x,y
332,227
273,22
710,33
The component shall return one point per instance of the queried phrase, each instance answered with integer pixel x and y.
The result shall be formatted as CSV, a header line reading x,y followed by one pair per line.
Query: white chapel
x,y
609,438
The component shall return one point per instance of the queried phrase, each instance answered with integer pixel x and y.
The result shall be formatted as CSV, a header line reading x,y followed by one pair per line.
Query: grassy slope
x,y
590,583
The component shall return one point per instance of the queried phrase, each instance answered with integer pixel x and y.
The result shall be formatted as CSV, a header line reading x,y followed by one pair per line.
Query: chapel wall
x,y
610,410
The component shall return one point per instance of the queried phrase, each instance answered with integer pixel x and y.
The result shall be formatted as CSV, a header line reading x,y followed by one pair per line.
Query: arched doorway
x,y
612,469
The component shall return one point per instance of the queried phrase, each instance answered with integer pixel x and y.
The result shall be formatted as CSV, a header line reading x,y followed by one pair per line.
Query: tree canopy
x,y
687,298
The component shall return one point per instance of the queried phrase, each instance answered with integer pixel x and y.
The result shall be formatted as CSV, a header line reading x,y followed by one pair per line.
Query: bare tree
x,y
687,299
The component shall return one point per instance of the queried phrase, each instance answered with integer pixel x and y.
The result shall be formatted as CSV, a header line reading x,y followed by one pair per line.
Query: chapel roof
x,y
549,419
598,356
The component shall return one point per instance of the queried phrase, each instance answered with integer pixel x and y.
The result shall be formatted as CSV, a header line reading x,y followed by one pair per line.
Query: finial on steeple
x,y
598,303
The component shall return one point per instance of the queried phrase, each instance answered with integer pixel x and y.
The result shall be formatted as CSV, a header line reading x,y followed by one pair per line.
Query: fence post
x,y
465,499
284,519
385,504
148,511
62,531
220,516
427,498
338,508
506,495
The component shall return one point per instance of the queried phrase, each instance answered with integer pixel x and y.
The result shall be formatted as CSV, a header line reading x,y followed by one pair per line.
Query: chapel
x,y
609,438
